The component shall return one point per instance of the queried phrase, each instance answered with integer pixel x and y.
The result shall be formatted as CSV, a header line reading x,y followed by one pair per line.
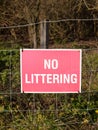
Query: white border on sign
x,y
21,50
21,69
80,70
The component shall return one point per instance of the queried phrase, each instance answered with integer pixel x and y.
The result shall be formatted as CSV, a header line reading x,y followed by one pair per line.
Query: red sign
x,y
50,70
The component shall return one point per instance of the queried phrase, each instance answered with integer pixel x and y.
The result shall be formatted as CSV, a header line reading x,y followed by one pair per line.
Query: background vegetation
x,y
48,111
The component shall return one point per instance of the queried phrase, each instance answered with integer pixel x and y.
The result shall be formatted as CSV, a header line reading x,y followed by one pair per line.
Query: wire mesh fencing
x,y
47,111
21,111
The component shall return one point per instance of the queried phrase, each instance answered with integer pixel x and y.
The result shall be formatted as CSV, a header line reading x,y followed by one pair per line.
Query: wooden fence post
x,y
44,36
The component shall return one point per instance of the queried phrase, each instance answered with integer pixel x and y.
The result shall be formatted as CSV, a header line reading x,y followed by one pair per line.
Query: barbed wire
x,y
46,21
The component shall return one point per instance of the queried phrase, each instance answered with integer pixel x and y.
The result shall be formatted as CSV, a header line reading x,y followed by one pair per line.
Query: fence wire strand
x,y
48,21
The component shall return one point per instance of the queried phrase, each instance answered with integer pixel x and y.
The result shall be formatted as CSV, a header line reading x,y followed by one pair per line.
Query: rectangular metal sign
x,y
50,70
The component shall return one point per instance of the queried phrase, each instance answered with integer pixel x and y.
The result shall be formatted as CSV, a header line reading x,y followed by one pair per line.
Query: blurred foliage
x,y
24,12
